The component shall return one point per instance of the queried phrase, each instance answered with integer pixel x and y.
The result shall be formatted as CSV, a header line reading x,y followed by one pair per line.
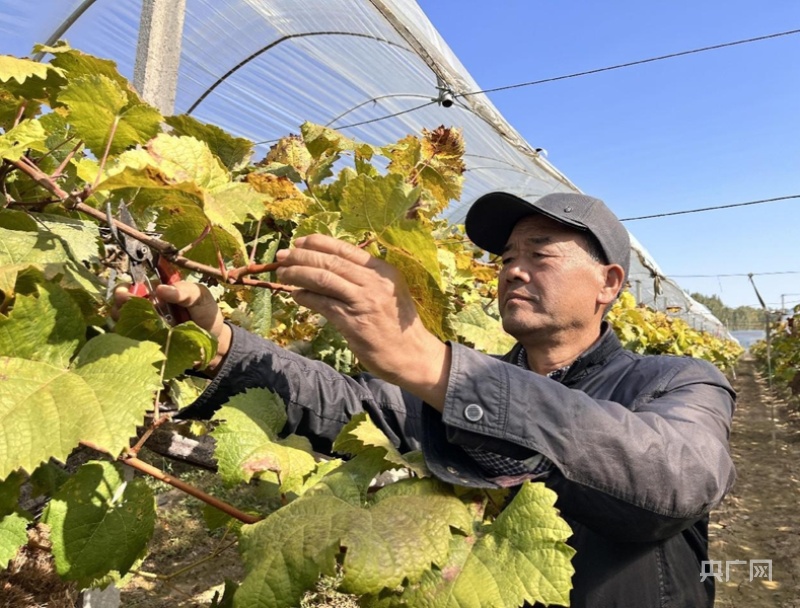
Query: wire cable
x,y
364,122
700,210
739,274
632,63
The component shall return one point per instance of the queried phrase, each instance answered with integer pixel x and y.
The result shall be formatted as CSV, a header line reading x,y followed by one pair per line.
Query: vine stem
x,y
155,472
105,153
74,202
20,113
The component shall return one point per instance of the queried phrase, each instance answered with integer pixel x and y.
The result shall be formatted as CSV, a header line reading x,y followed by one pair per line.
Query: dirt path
x,y
759,520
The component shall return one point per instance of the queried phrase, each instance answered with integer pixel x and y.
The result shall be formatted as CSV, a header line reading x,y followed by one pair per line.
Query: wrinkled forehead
x,y
536,228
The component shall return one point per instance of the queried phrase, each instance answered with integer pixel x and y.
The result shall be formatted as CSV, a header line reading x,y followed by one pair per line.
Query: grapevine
x,y
78,142
784,360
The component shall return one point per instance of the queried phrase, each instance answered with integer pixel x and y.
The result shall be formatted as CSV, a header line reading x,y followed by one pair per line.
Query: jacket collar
x,y
597,354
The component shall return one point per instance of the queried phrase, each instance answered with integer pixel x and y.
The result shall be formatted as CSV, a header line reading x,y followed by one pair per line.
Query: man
x,y
635,447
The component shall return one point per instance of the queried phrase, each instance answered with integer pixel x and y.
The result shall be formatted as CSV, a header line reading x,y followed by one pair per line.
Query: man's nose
x,y
516,272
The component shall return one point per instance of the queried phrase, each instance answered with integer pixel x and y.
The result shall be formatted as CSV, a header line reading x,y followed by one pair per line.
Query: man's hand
x,y
368,301
202,308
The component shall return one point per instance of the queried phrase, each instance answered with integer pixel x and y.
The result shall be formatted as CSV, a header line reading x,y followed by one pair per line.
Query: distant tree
x,y
742,317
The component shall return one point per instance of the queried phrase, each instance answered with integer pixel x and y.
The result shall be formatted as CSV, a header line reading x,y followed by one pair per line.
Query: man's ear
x,y
614,276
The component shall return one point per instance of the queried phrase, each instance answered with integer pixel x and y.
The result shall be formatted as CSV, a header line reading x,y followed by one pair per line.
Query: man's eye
x,y
506,261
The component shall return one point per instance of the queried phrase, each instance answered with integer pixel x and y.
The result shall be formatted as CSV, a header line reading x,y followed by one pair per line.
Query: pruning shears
x,y
143,262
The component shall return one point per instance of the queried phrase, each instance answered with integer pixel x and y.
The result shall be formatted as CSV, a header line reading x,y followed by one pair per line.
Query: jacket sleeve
x,y
638,471
319,400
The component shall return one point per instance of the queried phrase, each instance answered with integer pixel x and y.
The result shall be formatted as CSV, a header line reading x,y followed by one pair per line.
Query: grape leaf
x,y
190,346
361,434
187,159
326,222
351,480
13,535
399,538
283,201
81,238
323,141
234,152
285,553
247,441
47,327
433,162
259,309
77,64
521,557
233,204
97,105
289,156
374,204
16,142
100,398
22,69
9,493
47,479
431,302
482,331
99,523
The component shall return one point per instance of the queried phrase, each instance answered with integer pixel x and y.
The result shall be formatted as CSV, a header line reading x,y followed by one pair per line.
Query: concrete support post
x,y
158,54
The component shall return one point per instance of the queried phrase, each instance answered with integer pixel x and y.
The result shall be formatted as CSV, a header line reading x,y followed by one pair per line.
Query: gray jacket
x,y
639,444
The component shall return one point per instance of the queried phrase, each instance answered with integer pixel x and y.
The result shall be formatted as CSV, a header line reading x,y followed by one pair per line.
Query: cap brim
x,y
492,217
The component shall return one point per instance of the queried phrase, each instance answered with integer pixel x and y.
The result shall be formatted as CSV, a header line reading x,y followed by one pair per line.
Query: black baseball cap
x,y
492,217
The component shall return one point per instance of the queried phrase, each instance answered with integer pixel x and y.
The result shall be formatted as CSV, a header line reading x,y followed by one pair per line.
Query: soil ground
x,y
759,518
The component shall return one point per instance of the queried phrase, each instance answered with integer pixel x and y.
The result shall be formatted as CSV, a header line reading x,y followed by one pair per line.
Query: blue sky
x,y
708,129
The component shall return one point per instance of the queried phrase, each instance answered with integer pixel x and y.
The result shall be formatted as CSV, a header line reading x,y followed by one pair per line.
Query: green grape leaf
x,y
22,69
190,346
431,302
361,434
399,538
326,222
99,523
47,479
247,442
186,391
139,320
226,601
372,204
9,109
47,327
259,309
481,330
234,152
13,535
285,553
82,238
350,481
26,135
187,159
521,557
100,398
182,220
323,141
97,105
233,204
76,64
412,240
9,493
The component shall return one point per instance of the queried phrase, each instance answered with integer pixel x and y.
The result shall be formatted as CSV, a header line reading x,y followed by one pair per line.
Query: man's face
x,y
548,283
